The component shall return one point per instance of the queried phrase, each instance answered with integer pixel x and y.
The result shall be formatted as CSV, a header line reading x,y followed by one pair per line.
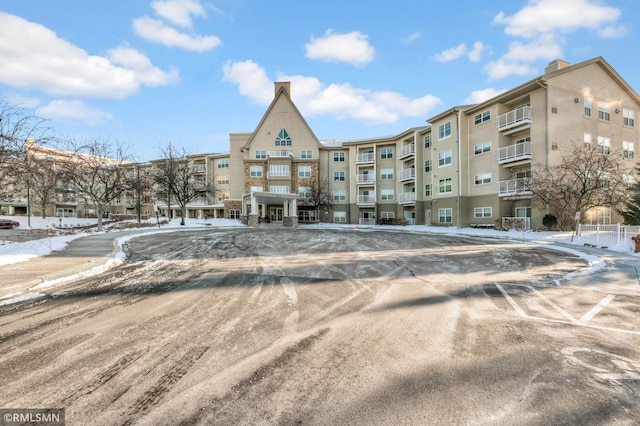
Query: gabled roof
x,y
282,92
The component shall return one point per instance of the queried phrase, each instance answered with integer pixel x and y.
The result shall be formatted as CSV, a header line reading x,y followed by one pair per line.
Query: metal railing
x,y
407,150
367,157
607,235
519,151
366,178
514,118
366,199
405,174
367,221
280,153
513,187
406,197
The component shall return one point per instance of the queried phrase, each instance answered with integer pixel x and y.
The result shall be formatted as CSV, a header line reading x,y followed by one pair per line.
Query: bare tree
x,y
319,196
42,178
589,176
176,174
96,170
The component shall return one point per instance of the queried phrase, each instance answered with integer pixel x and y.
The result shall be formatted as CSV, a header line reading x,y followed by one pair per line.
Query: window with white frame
x,y
338,176
482,179
628,150
427,166
445,186
256,189
338,157
587,141
427,141
261,154
386,194
339,195
604,112
306,153
587,107
628,117
304,171
482,148
604,144
482,117
222,180
283,138
340,217
386,174
628,180
445,215
278,170
387,215
427,190
386,153
234,214
444,158
304,191
482,212
223,163
279,189
444,130
255,171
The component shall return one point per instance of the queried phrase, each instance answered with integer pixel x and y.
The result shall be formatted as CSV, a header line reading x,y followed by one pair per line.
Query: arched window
x,y
283,138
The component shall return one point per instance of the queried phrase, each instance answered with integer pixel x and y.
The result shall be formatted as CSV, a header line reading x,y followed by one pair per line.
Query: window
x,y
587,141
304,171
279,189
386,194
482,117
445,186
427,166
387,215
427,190
283,138
234,214
627,150
255,171
338,157
628,117
386,153
338,176
628,180
339,195
587,107
386,174
304,191
554,146
256,189
261,154
604,112
482,148
222,180
223,163
604,144
445,215
444,158
482,212
444,130
278,170
482,178
427,141
306,153
340,217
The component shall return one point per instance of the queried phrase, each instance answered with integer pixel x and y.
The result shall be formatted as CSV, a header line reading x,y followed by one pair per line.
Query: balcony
x,y
517,152
366,157
516,118
278,175
199,168
280,154
406,174
366,179
407,151
366,200
406,197
514,187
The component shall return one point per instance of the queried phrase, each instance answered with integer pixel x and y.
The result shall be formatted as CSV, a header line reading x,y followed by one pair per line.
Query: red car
x,y
8,224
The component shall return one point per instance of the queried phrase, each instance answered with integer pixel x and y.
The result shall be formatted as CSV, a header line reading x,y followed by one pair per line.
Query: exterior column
x,y
254,220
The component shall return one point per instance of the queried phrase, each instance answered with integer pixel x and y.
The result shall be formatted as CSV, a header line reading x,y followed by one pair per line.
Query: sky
x,y
148,73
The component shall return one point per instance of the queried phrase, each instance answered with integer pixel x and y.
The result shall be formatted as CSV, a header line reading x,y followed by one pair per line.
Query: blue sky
x,y
147,73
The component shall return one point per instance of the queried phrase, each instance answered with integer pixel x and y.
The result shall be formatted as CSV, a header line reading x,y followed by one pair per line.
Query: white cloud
x,y
451,54
476,53
613,31
546,47
547,16
352,48
146,73
179,12
478,96
411,38
156,31
502,68
32,56
342,101
73,111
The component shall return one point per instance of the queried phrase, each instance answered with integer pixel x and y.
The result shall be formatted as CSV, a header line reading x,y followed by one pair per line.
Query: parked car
x,y
8,224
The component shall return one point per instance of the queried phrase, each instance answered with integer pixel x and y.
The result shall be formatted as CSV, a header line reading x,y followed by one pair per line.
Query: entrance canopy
x,y
287,201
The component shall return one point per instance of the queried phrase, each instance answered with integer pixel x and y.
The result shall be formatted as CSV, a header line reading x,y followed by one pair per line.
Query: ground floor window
x,y
387,215
340,217
65,212
234,214
523,211
481,212
445,215
307,216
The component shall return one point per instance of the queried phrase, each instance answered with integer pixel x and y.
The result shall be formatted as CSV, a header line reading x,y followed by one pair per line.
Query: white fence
x,y
607,235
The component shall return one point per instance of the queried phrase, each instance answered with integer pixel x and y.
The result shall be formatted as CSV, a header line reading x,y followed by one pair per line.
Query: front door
x,y
276,214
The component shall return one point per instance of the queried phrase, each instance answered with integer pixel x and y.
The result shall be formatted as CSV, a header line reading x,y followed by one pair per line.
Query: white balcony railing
x,y
515,118
406,174
366,199
366,157
513,187
367,221
365,179
280,153
407,150
517,152
278,174
406,197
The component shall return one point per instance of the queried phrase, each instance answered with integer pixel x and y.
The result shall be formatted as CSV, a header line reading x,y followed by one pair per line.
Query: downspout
x,y
459,165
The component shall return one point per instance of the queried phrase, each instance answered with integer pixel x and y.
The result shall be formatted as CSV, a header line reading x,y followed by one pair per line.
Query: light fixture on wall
x,y
617,110
576,100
